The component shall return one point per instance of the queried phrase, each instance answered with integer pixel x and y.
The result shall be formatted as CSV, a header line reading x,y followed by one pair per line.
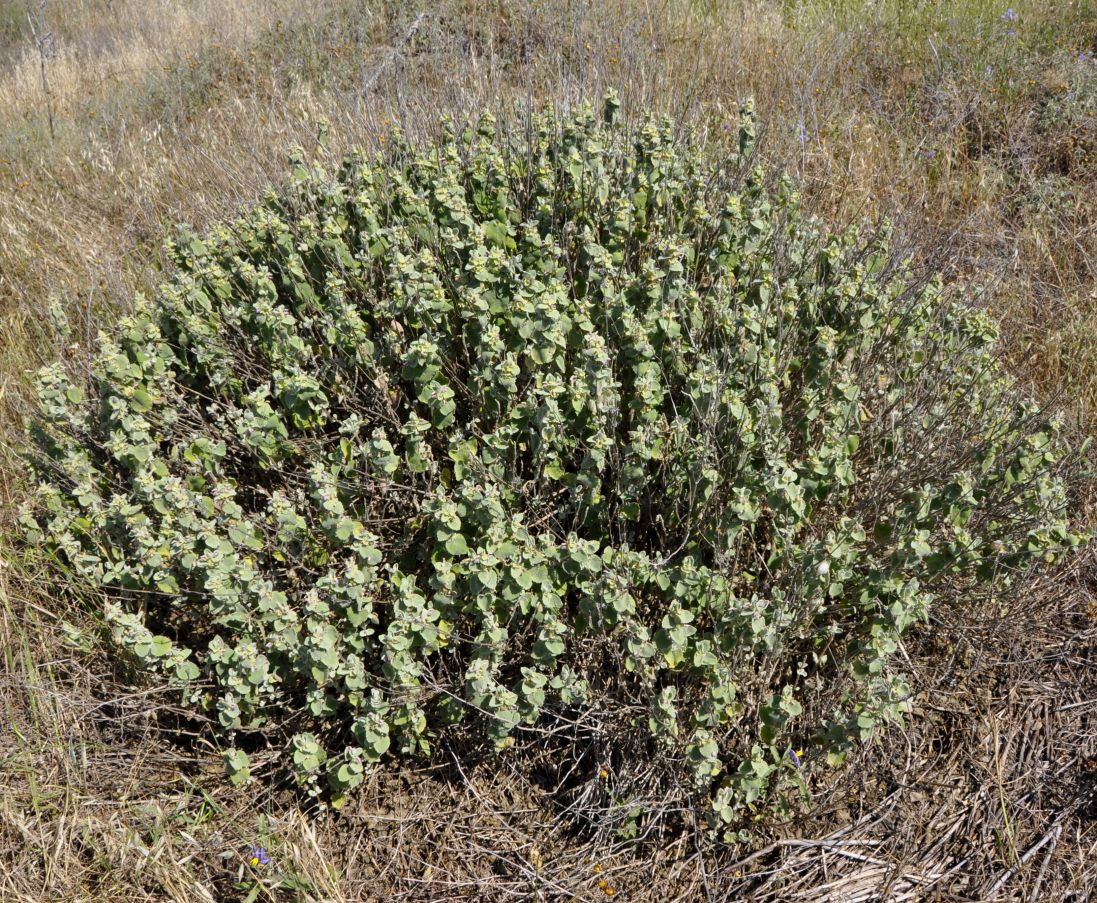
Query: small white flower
x,y
824,569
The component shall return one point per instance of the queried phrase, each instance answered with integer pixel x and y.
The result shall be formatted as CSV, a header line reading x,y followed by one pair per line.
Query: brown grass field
x,y
974,128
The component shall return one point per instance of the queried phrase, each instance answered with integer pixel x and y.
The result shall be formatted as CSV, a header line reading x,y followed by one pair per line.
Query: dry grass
x,y
978,142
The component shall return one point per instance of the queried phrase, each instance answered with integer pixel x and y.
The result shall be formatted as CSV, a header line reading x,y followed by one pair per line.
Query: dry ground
x,y
974,128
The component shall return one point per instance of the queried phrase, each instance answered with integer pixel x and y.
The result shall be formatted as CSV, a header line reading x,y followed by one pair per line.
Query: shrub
x,y
561,434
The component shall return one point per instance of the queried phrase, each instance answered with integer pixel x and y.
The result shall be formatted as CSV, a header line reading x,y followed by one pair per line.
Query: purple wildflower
x,y
258,856
795,756
1010,15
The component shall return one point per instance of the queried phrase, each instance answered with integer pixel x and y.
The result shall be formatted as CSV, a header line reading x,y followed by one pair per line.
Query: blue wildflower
x,y
1010,15
258,856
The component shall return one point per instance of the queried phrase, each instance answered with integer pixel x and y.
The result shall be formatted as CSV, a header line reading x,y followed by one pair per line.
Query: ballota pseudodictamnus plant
x,y
565,434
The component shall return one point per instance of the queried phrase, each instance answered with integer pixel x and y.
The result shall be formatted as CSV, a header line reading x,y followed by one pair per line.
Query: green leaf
x,y
237,766
456,545
161,646
496,233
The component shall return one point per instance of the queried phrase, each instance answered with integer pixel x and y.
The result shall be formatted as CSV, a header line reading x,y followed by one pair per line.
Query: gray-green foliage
x,y
541,431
